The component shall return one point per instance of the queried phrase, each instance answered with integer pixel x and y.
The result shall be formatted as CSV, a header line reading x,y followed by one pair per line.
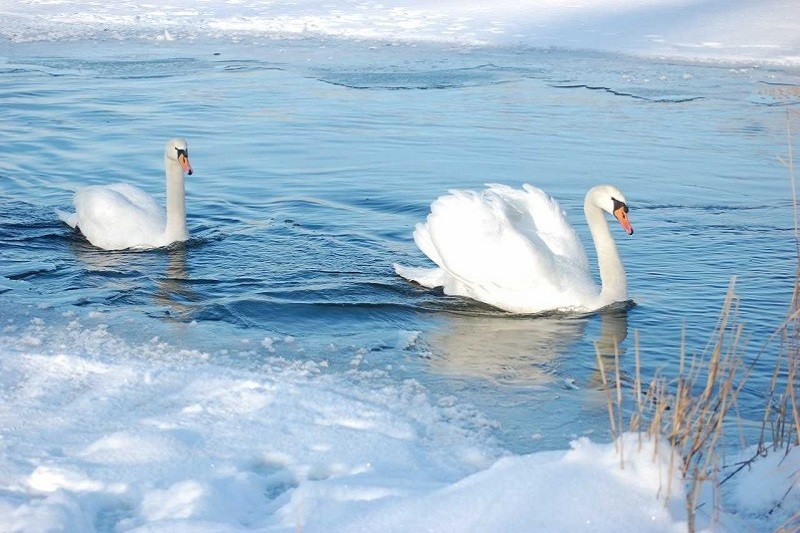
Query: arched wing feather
x,y
118,216
502,237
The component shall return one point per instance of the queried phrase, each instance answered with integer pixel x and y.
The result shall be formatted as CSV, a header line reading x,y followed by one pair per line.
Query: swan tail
x,y
70,219
427,277
422,238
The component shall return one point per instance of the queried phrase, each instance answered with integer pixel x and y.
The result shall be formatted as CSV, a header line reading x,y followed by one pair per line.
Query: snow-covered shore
x,y
735,30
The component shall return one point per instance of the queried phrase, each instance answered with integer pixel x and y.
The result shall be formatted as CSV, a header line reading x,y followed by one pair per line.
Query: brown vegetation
x,y
694,409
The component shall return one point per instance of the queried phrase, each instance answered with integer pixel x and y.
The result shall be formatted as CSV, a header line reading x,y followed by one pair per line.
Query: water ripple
x,y
305,193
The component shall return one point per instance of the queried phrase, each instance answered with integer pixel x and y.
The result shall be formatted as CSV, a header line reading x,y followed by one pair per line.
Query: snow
x,y
769,486
731,30
95,435
92,431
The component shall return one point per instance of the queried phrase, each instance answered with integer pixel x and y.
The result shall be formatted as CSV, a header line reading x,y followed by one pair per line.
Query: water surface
x,y
314,160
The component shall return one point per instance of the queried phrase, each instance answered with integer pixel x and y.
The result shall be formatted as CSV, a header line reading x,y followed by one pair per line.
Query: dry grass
x,y
696,409
691,410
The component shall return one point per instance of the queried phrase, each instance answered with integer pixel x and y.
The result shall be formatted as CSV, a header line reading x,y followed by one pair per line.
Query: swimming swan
x,y
515,250
120,216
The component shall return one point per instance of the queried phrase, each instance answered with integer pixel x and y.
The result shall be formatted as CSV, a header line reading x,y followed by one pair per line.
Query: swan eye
x,y
181,152
620,205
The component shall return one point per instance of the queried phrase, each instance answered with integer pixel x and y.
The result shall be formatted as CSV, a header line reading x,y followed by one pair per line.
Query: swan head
x,y
611,200
178,150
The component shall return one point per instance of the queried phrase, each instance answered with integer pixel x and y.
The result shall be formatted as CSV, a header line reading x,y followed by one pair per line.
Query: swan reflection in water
x,y
522,351
126,271
173,290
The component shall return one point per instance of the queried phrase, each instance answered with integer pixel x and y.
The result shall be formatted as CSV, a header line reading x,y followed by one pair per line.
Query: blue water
x,y
314,160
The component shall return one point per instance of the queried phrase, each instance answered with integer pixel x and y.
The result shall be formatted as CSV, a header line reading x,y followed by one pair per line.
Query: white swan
x,y
120,216
515,250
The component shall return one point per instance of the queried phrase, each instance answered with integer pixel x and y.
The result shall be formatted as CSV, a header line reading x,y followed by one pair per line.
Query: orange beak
x,y
184,161
622,216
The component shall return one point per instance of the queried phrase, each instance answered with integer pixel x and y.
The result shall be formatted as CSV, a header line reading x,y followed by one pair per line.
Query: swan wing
x,y
507,247
118,216
468,234
550,223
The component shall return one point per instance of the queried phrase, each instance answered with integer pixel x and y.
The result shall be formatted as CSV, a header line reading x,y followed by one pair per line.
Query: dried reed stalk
x,y
707,387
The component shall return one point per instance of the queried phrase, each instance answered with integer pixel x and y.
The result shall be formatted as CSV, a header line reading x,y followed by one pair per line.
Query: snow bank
x,y
768,487
98,433
731,30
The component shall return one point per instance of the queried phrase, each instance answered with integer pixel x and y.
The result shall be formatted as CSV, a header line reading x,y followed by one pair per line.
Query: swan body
x,y
514,249
121,216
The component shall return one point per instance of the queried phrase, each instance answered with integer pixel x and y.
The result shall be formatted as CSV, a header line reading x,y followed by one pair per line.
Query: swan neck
x,y
176,202
612,273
